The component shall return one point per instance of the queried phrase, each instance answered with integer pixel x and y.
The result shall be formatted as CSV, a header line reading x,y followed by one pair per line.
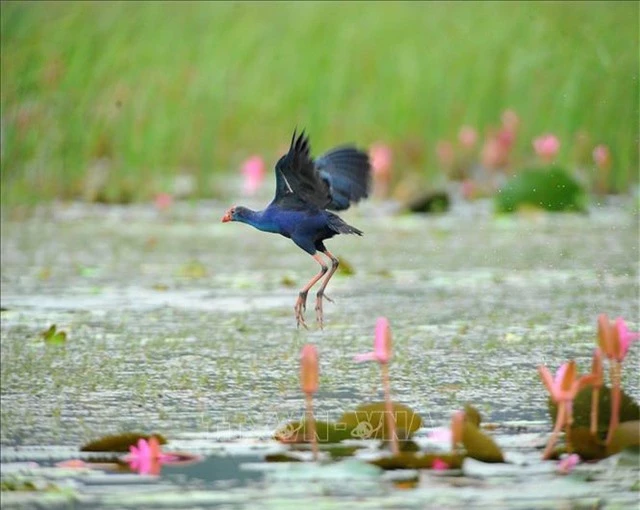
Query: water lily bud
x,y
309,369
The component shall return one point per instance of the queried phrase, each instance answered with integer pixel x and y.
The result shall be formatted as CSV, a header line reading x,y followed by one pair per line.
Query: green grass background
x,y
161,88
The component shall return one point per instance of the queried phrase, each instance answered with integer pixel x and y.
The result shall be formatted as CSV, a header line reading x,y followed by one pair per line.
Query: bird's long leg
x,y
334,266
301,303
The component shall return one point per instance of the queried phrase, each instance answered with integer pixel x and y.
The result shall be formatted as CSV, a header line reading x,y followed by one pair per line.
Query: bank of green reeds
x,y
154,89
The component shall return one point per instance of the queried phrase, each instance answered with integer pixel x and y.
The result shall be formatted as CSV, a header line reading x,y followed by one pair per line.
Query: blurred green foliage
x,y
149,90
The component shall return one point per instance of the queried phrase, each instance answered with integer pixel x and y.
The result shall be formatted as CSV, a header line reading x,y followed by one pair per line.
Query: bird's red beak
x,y
226,217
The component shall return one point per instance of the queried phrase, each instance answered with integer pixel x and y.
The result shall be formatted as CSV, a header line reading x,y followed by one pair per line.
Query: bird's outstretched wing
x,y
297,178
335,181
347,171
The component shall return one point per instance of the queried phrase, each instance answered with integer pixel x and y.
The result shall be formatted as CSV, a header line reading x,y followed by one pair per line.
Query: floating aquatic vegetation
x,y
194,269
54,336
369,421
551,189
345,268
119,442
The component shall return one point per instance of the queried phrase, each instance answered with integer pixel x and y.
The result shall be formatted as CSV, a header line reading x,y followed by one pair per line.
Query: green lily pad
x,y
406,460
479,446
368,421
626,435
586,445
345,268
326,432
629,409
281,457
53,336
193,269
552,189
472,415
118,442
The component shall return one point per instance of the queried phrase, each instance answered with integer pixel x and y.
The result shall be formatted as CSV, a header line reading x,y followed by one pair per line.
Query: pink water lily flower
x,y
163,201
382,344
381,157
568,463
625,337
147,457
253,171
309,385
566,384
439,465
467,137
602,157
563,389
546,147
615,339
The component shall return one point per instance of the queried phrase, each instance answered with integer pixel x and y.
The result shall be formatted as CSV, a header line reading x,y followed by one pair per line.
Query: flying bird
x,y
307,190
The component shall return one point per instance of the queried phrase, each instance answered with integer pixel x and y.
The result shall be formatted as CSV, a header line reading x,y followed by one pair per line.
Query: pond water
x,y
181,325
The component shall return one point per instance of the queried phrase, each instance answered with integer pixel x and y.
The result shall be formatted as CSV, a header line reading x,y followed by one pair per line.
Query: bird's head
x,y
234,213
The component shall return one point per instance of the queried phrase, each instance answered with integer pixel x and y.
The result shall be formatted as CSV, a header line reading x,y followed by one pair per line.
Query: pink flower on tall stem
x,y
163,201
309,385
381,157
563,389
602,157
382,354
510,121
546,147
445,154
568,463
253,172
467,137
598,372
614,341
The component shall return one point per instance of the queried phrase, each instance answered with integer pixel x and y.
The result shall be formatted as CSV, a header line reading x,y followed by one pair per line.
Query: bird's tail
x,y
337,224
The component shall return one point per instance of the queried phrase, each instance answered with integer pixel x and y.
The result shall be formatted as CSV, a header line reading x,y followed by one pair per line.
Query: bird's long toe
x,y
301,306
319,308
319,312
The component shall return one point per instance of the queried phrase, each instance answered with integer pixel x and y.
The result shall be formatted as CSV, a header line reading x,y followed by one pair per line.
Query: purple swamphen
x,y
306,191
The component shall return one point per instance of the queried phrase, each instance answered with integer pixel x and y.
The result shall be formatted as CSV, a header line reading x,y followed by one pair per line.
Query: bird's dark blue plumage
x,y
307,191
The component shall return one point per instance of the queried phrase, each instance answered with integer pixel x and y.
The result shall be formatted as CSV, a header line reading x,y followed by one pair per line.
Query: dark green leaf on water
x,y
629,409
586,445
472,415
480,446
193,269
336,450
326,432
551,189
345,268
369,421
118,442
22,486
53,336
281,457
407,460
626,436
287,281
430,203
